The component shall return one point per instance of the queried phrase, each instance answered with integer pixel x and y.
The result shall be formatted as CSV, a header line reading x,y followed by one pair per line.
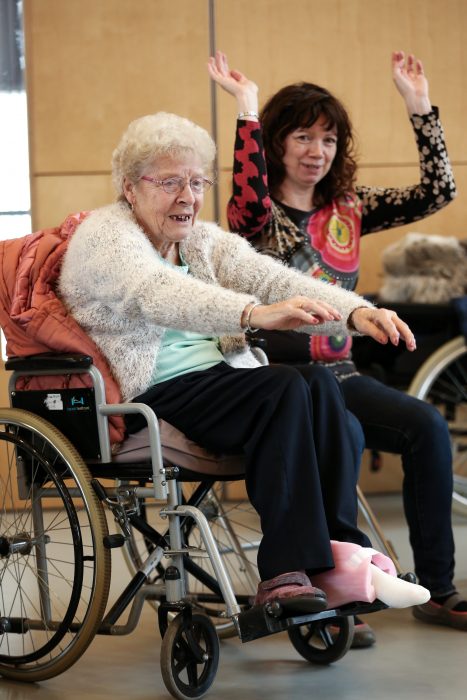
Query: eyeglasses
x,y
175,185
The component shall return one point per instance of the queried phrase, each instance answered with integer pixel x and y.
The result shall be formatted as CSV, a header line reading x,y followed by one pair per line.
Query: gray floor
x,y
410,660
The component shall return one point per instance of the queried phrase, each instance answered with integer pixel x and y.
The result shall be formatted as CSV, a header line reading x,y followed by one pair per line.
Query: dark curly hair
x,y
300,105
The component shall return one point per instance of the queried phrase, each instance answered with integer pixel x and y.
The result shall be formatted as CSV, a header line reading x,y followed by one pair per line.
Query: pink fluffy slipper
x,y
351,579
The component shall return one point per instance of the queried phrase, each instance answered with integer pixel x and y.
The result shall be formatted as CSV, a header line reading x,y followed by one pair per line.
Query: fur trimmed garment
x,y
116,286
424,269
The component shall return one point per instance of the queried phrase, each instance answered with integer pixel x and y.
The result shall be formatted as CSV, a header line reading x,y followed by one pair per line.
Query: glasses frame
x,y
207,184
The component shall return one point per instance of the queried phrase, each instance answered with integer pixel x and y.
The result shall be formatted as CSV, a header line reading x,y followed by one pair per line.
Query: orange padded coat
x,y
34,319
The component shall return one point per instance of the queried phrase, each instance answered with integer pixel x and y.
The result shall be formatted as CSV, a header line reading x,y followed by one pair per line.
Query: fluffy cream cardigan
x,y
117,288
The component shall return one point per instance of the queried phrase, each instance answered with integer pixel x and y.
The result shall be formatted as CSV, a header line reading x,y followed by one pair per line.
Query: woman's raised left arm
x,y
388,207
411,82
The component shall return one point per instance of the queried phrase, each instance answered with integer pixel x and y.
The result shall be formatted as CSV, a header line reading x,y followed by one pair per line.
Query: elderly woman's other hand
x,y
288,315
383,325
235,83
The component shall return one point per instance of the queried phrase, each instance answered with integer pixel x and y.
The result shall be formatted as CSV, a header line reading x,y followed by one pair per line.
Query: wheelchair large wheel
x,y
54,569
235,527
442,380
189,656
323,641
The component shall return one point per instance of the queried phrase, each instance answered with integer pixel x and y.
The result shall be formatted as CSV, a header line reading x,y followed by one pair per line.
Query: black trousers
x,y
301,450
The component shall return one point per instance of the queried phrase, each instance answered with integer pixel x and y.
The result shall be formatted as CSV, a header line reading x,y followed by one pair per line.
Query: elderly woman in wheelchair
x,y
167,298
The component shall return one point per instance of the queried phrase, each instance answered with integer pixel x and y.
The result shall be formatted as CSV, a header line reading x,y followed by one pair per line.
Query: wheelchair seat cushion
x,y
180,451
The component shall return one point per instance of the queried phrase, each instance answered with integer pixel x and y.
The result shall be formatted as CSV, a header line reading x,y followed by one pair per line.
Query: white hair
x,y
153,136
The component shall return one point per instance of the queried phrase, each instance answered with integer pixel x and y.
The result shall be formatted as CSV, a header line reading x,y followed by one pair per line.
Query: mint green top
x,y
184,351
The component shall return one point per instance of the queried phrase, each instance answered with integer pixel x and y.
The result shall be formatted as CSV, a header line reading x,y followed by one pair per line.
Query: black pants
x,y
301,452
394,422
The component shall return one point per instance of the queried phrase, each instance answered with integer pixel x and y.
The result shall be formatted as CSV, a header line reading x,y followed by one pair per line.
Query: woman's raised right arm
x,y
249,207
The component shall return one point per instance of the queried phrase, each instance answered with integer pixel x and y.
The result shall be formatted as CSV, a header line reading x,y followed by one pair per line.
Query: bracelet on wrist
x,y
242,115
248,327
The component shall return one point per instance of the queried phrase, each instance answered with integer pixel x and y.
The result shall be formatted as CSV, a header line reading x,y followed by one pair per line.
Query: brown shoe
x,y
364,636
436,614
294,584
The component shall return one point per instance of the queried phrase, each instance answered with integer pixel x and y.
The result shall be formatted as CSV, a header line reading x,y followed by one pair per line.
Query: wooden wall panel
x,y
346,46
60,195
92,67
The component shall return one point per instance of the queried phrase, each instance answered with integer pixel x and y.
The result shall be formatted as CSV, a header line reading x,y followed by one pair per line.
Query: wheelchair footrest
x,y
269,618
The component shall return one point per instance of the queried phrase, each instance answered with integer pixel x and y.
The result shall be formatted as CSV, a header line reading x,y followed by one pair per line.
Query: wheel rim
x,y
189,655
48,555
443,382
323,641
18,535
449,392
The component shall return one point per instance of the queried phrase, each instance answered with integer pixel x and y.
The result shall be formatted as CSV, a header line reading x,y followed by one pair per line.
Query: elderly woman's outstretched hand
x,y
289,315
235,83
410,80
383,325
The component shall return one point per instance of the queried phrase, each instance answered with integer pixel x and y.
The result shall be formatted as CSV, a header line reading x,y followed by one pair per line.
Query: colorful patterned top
x,y
325,242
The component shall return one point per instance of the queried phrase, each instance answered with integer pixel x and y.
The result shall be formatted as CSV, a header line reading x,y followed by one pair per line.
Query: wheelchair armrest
x,y
48,361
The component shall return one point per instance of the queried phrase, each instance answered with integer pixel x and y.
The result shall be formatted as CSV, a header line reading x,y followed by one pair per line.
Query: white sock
x,y
395,592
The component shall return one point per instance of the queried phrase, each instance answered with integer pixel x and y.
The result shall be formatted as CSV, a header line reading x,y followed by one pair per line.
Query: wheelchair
x,y
59,481
436,372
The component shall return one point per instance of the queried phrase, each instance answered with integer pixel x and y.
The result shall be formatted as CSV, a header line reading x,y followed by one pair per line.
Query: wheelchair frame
x,y
35,645
442,379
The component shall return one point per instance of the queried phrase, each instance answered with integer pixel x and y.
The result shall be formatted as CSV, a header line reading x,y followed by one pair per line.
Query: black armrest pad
x,y
47,360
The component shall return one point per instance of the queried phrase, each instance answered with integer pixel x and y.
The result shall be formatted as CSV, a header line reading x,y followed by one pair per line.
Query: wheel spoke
x,y
324,640
442,381
52,597
192,670
325,634
189,671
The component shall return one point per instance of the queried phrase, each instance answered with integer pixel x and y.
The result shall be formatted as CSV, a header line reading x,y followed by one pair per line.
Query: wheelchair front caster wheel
x,y
189,656
323,641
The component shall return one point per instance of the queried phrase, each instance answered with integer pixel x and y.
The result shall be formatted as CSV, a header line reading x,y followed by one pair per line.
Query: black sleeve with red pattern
x,y
249,207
